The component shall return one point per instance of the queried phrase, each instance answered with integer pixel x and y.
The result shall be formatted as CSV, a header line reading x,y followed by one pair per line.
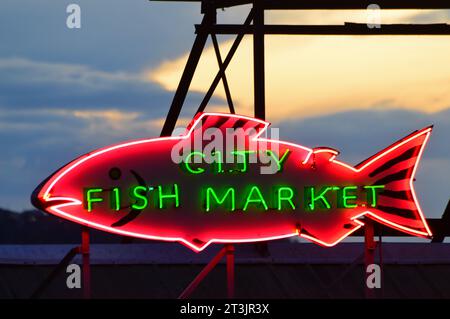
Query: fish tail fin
x,y
391,175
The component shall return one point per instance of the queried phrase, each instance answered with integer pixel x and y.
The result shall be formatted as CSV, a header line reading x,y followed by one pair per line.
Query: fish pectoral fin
x,y
321,154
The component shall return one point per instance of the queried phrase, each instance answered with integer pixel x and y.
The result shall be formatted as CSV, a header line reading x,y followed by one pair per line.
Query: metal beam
x,y
258,62
439,234
224,77
188,73
85,252
230,270
353,4
225,64
369,253
205,271
62,265
344,29
329,4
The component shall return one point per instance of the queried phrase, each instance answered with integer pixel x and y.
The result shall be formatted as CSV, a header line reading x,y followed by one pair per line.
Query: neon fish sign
x,y
136,189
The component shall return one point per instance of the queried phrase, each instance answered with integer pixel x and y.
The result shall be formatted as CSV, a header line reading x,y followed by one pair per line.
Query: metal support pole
x,y
85,251
369,253
194,284
57,270
444,224
225,64
224,77
348,28
188,73
259,89
258,61
380,260
230,270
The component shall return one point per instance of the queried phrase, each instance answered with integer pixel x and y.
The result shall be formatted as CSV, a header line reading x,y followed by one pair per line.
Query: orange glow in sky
x,y
318,75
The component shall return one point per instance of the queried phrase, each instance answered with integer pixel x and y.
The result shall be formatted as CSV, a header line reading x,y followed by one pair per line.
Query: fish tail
x,y
391,175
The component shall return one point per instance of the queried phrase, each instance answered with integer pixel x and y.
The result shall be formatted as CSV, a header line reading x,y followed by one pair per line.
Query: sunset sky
x,y
65,92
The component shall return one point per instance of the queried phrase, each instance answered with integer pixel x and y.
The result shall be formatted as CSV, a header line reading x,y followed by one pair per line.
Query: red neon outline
x,y
44,194
322,243
411,231
321,150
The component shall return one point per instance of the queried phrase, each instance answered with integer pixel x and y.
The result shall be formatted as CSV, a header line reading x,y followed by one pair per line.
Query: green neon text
x,y
244,161
240,161
346,196
243,198
141,199
285,194
255,197
372,194
173,196
187,164
280,161
115,199
229,194
313,198
89,200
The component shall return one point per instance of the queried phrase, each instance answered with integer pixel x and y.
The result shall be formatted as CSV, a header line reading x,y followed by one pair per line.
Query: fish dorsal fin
x,y
223,121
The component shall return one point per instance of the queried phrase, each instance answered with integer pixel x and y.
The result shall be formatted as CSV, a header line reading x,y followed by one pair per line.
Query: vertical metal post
x,y
85,251
259,84
188,73
369,253
57,270
205,271
380,260
230,270
224,77
225,63
258,60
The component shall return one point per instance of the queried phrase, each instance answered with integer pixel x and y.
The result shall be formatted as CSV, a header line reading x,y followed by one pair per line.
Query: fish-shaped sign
x,y
198,190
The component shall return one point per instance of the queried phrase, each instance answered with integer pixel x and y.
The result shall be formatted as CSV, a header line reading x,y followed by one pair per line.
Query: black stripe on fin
x,y
239,123
405,195
394,177
221,121
405,213
405,156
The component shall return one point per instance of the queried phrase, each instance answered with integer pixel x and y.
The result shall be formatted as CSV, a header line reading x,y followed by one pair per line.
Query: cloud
x,y
36,142
110,115
360,134
53,112
66,92
368,131
311,76
357,16
114,35
27,84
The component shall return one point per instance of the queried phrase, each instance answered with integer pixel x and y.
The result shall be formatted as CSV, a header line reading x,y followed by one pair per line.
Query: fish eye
x,y
115,173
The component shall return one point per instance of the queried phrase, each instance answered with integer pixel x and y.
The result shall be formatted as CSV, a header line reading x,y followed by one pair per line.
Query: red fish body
x,y
136,189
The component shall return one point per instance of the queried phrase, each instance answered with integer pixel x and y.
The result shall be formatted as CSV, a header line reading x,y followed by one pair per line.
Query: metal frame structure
x,y
255,25
84,251
228,252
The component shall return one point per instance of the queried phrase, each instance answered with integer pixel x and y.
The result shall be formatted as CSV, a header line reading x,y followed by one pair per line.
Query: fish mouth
x,y
53,203
56,202
45,203
39,202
